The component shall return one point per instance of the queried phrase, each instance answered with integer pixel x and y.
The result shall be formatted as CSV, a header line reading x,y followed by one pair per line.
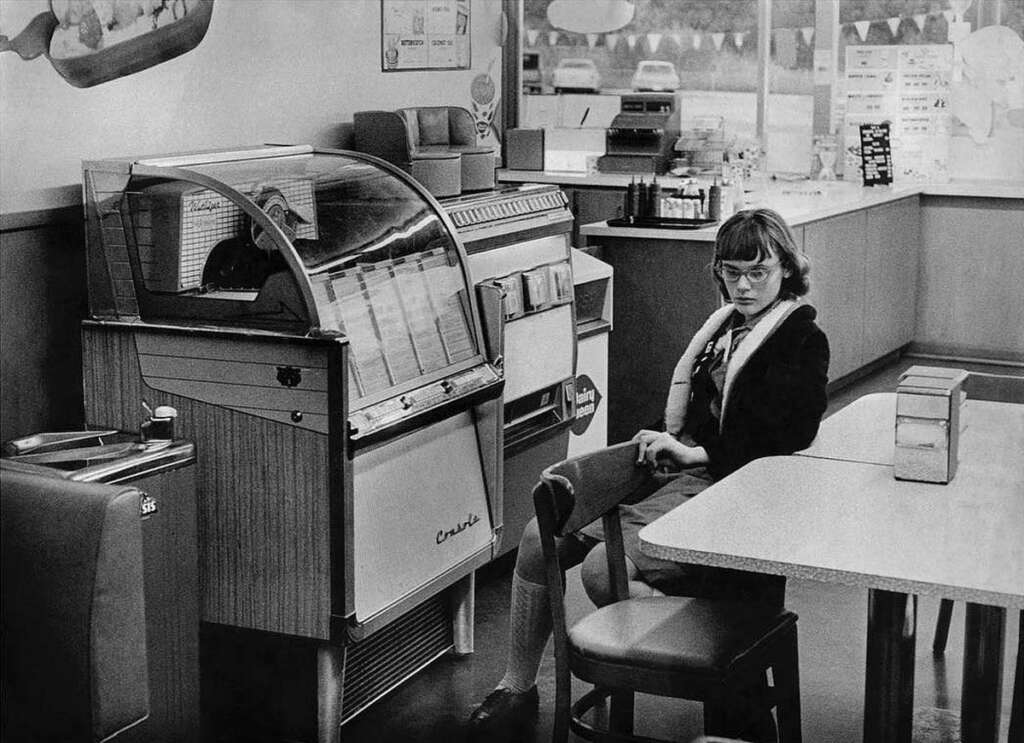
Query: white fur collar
x,y
679,390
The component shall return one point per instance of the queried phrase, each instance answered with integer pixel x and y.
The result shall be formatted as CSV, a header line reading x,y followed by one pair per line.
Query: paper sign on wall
x,y
425,34
875,154
905,88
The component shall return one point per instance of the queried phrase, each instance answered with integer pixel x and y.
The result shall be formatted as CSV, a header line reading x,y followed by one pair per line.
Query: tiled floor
x,y
432,706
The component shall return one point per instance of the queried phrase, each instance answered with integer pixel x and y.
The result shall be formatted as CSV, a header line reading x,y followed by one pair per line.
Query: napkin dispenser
x,y
929,404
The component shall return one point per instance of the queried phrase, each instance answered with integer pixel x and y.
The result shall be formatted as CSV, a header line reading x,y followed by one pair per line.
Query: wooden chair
x,y
979,386
714,651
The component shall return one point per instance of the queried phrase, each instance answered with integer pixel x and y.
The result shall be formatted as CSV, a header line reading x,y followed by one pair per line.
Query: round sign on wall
x,y
588,397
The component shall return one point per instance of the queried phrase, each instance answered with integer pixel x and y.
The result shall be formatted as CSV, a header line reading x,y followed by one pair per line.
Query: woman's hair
x,y
753,235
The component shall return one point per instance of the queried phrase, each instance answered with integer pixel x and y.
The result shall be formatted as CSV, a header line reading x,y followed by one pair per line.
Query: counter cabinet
x,y
864,278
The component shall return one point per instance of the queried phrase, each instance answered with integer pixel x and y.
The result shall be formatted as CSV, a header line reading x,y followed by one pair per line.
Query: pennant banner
x,y
591,40
677,38
738,39
948,15
654,41
611,41
531,36
807,32
552,38
631,41
894,25
718,37
919,19
696,41
862,29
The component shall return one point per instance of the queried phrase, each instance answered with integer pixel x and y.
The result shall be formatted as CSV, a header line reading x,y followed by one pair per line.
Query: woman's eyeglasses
x,y
755,275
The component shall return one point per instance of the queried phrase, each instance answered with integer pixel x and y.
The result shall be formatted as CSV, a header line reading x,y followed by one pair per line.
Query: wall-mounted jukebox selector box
x,y
511,295
536,289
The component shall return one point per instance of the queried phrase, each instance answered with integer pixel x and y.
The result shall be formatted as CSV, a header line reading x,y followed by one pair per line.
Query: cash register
x,y
642,134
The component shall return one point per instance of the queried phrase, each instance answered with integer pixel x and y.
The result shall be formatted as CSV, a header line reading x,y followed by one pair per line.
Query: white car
x,y
654,75
576,74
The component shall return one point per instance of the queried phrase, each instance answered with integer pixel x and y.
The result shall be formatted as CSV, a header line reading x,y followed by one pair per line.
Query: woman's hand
x,y
661,449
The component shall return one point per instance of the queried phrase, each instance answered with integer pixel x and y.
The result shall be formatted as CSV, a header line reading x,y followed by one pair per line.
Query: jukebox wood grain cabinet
x,y
311,316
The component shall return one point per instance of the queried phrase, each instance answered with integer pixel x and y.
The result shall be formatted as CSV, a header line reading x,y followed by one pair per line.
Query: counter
x,y
959,187
889,269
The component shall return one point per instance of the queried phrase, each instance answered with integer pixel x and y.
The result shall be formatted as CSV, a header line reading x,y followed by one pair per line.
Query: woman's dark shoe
x,y
505,709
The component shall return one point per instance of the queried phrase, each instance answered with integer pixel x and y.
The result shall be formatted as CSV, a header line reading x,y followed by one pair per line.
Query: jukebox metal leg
x,y
981,703
463,598
889,677
330,673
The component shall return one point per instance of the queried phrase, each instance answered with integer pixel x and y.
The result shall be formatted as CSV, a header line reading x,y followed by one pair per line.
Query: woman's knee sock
x,y
529,631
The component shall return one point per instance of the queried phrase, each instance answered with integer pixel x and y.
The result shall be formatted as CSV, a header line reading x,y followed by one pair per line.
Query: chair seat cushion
x,y
435,154
677,634
472,149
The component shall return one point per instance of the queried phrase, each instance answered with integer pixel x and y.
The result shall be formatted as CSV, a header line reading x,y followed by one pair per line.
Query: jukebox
x,y
517,239
311,316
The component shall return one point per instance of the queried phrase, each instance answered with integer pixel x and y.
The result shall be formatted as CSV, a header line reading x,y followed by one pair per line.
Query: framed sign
x,y
876,154
424,35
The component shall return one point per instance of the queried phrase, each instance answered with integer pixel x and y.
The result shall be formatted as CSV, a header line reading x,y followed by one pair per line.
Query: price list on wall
x,y
907,89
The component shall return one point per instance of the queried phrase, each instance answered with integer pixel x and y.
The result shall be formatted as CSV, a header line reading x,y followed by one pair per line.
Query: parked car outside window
x,y
576,74
654,75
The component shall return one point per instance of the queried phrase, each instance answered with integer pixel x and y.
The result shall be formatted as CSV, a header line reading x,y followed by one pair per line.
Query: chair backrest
x,y
74,665
995,387
439,126
384,135
580,490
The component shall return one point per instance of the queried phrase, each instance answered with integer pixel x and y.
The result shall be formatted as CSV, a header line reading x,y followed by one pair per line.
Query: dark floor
x,y
433,704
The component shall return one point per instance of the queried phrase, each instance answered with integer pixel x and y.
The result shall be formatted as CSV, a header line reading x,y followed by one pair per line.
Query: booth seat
x,y
74,664
435,144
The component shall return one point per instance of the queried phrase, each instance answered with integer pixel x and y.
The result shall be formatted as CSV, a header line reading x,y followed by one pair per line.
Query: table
x,y
835,513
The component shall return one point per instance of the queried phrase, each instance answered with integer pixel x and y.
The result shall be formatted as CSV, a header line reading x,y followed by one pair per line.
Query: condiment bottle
x,y
632,206
715,201
654,198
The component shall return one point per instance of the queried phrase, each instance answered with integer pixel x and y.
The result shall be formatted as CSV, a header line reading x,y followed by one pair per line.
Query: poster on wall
x,y
424,35
907,89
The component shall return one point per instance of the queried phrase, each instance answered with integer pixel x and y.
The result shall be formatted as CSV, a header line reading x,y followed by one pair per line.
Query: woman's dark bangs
x,y
745,243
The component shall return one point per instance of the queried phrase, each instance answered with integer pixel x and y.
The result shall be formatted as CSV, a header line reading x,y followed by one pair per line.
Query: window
x,y
713,47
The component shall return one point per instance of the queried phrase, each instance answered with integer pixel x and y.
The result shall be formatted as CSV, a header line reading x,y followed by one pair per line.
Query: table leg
x,y
889,677
981,704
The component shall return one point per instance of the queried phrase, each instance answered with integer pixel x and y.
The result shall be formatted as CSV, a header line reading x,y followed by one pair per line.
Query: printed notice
x,y
425,34
445,295
419,312
905,88
876,154
390,322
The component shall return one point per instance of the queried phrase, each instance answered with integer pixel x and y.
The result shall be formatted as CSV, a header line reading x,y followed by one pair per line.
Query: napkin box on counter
x,y
929,417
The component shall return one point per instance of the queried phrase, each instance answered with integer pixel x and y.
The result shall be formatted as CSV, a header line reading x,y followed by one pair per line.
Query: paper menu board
x,y
403,318
425,34
906,87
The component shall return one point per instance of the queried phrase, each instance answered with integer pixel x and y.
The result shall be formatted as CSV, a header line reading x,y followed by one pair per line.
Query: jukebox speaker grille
x,y
378,664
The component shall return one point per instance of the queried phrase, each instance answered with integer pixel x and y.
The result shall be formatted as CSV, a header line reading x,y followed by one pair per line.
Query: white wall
x,y
275,71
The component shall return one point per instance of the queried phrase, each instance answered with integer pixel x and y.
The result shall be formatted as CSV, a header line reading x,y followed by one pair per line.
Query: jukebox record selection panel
x,y
404,318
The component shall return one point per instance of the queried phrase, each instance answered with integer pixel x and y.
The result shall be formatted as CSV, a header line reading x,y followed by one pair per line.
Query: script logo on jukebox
x,y
444,534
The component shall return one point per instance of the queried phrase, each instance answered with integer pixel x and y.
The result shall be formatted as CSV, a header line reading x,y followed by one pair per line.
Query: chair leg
x,y
1016,731
563,700
620,719
719,711
942,626
786,674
